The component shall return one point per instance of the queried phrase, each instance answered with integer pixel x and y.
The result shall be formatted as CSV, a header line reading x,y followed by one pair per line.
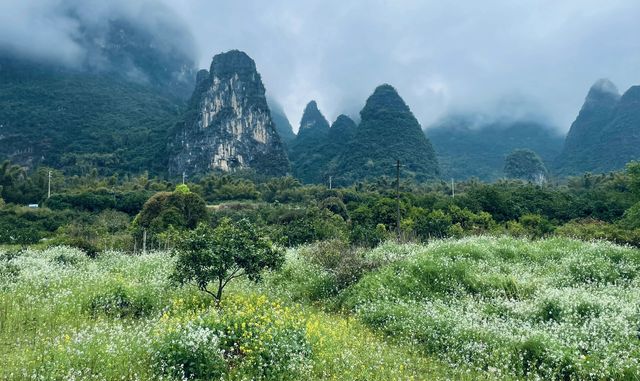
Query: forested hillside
x,y
79,121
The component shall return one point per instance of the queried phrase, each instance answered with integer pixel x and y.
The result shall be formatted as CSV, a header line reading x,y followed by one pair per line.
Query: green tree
x,y
633,172
230,251
526,165
181,209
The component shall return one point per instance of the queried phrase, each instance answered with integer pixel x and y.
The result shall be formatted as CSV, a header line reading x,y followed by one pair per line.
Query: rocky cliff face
x,y
228,125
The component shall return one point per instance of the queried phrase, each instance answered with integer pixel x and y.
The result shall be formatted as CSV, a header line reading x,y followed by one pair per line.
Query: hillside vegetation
x,y
65,119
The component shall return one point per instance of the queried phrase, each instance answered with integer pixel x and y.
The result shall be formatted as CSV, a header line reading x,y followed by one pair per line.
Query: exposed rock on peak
x,y
312,122
229,125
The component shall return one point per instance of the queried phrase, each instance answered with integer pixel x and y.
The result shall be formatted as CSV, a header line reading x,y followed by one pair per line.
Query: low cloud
x,y
72,32
443,57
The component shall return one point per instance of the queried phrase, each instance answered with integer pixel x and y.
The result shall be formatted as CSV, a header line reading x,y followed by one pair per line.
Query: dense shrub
x,y
590,229
248,338
189,352
120,301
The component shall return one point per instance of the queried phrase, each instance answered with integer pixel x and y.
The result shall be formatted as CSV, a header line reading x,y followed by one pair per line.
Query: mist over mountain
x,y
89,85
472,146
95,86
142,41
79,121
281,121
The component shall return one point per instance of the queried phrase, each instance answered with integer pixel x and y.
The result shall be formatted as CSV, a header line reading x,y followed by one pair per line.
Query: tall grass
x,y
549,309
64,316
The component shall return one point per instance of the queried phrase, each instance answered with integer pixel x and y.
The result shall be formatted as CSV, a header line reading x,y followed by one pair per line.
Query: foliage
x,y
591,229
230,250
64,119
526,165
182,210
602,137
52,333
388,131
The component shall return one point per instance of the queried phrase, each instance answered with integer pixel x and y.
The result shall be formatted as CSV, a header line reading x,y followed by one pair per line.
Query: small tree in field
x,y
216,256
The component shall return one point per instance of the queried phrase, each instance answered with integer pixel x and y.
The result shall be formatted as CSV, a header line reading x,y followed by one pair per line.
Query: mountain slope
x,y
283,126
388,131
307,150
583,139
76,120
606,134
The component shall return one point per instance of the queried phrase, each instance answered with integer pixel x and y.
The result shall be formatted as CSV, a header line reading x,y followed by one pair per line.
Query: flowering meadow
x,y
473,308
65,316
553,309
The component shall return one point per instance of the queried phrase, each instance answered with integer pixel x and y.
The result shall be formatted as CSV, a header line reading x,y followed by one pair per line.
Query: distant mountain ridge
x,y
468,149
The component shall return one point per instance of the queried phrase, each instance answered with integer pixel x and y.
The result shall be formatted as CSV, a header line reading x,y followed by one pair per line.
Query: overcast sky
x,y
496,56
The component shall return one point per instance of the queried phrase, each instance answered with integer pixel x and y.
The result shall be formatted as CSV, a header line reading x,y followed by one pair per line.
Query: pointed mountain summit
x,y
228,126
313,124
307,151
584,139
388,131
342,130
621,136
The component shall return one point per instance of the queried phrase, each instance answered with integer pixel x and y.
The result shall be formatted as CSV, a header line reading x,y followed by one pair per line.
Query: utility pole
x,y
49,186
330,182
144,241
453,189
398,197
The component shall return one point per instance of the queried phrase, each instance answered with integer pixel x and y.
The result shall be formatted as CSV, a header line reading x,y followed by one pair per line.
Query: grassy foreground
x,y
494,308
64,316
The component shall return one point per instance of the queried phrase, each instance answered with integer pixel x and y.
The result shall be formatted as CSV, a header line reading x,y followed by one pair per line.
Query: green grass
x,y
476,308
65,316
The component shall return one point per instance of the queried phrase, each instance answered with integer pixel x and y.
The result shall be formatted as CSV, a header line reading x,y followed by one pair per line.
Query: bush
x,y
590,229
120,301
248,338
345,264
190,352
